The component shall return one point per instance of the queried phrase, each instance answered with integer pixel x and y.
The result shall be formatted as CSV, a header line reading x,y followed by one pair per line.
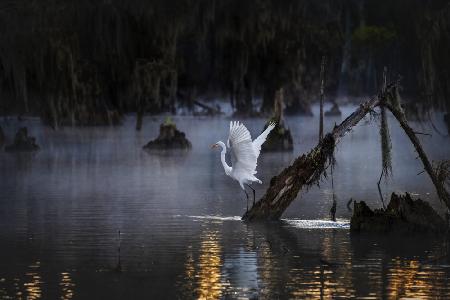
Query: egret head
x,y
218,144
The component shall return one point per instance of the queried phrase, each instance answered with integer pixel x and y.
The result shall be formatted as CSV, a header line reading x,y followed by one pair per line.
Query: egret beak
x,y
213,146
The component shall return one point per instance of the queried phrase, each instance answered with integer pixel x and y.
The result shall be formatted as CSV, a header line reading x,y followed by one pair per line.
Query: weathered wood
x,y
402,215
308,168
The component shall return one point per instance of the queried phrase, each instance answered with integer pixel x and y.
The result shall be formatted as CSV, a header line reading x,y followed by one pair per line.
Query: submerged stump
x,y
22,142
279,139
402,215
334,111
169,138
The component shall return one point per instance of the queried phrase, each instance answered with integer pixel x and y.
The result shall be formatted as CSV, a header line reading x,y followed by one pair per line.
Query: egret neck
x,y
226,167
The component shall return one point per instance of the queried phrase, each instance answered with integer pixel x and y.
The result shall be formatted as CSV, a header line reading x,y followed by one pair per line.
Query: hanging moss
x,y
73,63
386,145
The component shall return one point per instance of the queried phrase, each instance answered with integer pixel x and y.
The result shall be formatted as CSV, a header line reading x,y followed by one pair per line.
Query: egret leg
x,y
253,193
247,197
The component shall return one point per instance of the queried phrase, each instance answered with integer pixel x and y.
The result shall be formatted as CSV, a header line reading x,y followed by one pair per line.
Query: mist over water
x,y
178,215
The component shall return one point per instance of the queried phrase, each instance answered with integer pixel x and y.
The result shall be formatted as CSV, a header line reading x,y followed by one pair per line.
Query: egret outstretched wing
x,y
243,155
262,138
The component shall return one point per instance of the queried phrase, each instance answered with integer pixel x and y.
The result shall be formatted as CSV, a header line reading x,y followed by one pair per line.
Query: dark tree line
x,y
89,62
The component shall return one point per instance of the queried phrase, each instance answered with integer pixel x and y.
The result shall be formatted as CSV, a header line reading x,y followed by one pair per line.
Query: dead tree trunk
x,y
322,87
440,189
307,169
278,107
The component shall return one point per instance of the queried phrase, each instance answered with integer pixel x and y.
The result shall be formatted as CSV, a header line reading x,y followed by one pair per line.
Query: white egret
x,y
244,154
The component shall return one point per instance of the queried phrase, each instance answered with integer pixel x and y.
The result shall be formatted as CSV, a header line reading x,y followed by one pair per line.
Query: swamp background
x,y
93,80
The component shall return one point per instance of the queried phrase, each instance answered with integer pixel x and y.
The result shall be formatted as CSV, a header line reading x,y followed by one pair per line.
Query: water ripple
x,y
318,224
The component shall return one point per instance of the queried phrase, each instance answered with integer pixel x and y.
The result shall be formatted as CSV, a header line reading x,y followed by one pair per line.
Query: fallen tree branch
x,y
308,168
211,110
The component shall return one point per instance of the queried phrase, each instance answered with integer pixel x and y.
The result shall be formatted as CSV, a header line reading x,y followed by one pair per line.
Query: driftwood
x,y
307,169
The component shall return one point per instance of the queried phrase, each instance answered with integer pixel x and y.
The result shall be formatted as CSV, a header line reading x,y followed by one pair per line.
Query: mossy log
x,y
169,138
402,215
308,168
22,142
305,170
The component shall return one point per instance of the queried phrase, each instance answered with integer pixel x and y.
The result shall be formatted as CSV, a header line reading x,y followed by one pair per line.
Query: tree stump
x,y
334,111
169,138
402,215
22,142
280,138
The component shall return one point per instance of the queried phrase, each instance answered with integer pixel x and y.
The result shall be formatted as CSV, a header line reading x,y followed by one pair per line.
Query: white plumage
x,y
244,154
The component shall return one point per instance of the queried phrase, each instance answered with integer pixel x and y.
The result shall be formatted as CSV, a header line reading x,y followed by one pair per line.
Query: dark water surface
x,y
179,218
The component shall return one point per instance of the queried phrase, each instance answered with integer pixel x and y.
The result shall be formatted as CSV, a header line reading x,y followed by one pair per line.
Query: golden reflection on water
x,y
267,270
406,279
321,281
31,289
209,267
204,274
66,286
33,284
